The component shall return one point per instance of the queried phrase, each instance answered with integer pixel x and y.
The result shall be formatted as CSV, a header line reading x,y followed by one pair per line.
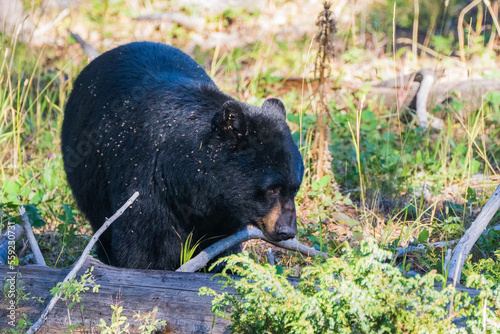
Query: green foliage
x,y
119,324
490,242
325,197
70,291
442,44
483,313
356,293
188,250
149,323
20,291
22,326
488,267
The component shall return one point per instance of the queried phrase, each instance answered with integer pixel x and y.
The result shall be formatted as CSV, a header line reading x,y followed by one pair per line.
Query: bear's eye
x,y
274,191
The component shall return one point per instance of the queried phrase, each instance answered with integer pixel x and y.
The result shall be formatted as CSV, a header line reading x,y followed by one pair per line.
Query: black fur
x,y
145,117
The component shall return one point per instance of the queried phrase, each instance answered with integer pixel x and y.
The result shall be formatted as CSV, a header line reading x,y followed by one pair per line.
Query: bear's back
x,y
137,65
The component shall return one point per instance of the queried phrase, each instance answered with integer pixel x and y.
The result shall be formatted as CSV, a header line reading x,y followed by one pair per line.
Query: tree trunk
x,y
175,294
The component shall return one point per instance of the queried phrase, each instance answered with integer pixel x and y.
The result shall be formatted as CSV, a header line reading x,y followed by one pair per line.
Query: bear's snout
x,y
286,226
286,232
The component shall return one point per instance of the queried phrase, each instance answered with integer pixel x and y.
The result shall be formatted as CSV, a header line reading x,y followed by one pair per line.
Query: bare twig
x,y
31,237
440,244
217,248
13,233
472,234
50,26
89,50
410,249
80,262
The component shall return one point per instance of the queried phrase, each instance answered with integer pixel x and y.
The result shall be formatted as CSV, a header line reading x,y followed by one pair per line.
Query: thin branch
x,y
410,249
217,248
51,25
31,237
440,244
493,14
80,262
89,50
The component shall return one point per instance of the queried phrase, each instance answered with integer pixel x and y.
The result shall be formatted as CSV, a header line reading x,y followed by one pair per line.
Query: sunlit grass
x,y
377,161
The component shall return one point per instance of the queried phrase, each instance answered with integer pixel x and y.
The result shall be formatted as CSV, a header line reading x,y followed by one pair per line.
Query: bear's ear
x,y
273,105
230,121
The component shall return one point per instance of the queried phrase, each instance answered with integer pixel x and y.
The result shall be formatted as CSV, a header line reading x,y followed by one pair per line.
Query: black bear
x,y
146,117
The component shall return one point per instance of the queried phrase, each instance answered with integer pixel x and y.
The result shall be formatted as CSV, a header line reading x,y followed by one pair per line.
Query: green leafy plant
x,y
20,291
22,326
357,293
71,290
489,267
149,323
119,323
483,313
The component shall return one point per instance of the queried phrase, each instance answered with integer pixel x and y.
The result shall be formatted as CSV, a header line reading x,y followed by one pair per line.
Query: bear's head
x,y
264,169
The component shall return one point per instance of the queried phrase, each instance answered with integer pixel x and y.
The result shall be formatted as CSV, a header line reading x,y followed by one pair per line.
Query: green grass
x,y
380,165
390,181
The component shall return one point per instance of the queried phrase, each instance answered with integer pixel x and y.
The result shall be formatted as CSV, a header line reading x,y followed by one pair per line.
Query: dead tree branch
x,y
31,237
439,244
217,248
89,50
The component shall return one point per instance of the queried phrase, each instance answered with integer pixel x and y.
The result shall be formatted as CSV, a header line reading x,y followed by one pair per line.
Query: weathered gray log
x,y
175,294
190,22
469,91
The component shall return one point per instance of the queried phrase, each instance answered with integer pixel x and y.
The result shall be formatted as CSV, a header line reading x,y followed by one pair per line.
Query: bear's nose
x,y
286,232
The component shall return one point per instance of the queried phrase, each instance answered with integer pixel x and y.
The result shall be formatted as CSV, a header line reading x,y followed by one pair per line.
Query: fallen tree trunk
x,y
175,295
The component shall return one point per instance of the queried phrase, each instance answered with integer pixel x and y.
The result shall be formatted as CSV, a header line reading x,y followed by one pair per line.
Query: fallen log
x,y
175,294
